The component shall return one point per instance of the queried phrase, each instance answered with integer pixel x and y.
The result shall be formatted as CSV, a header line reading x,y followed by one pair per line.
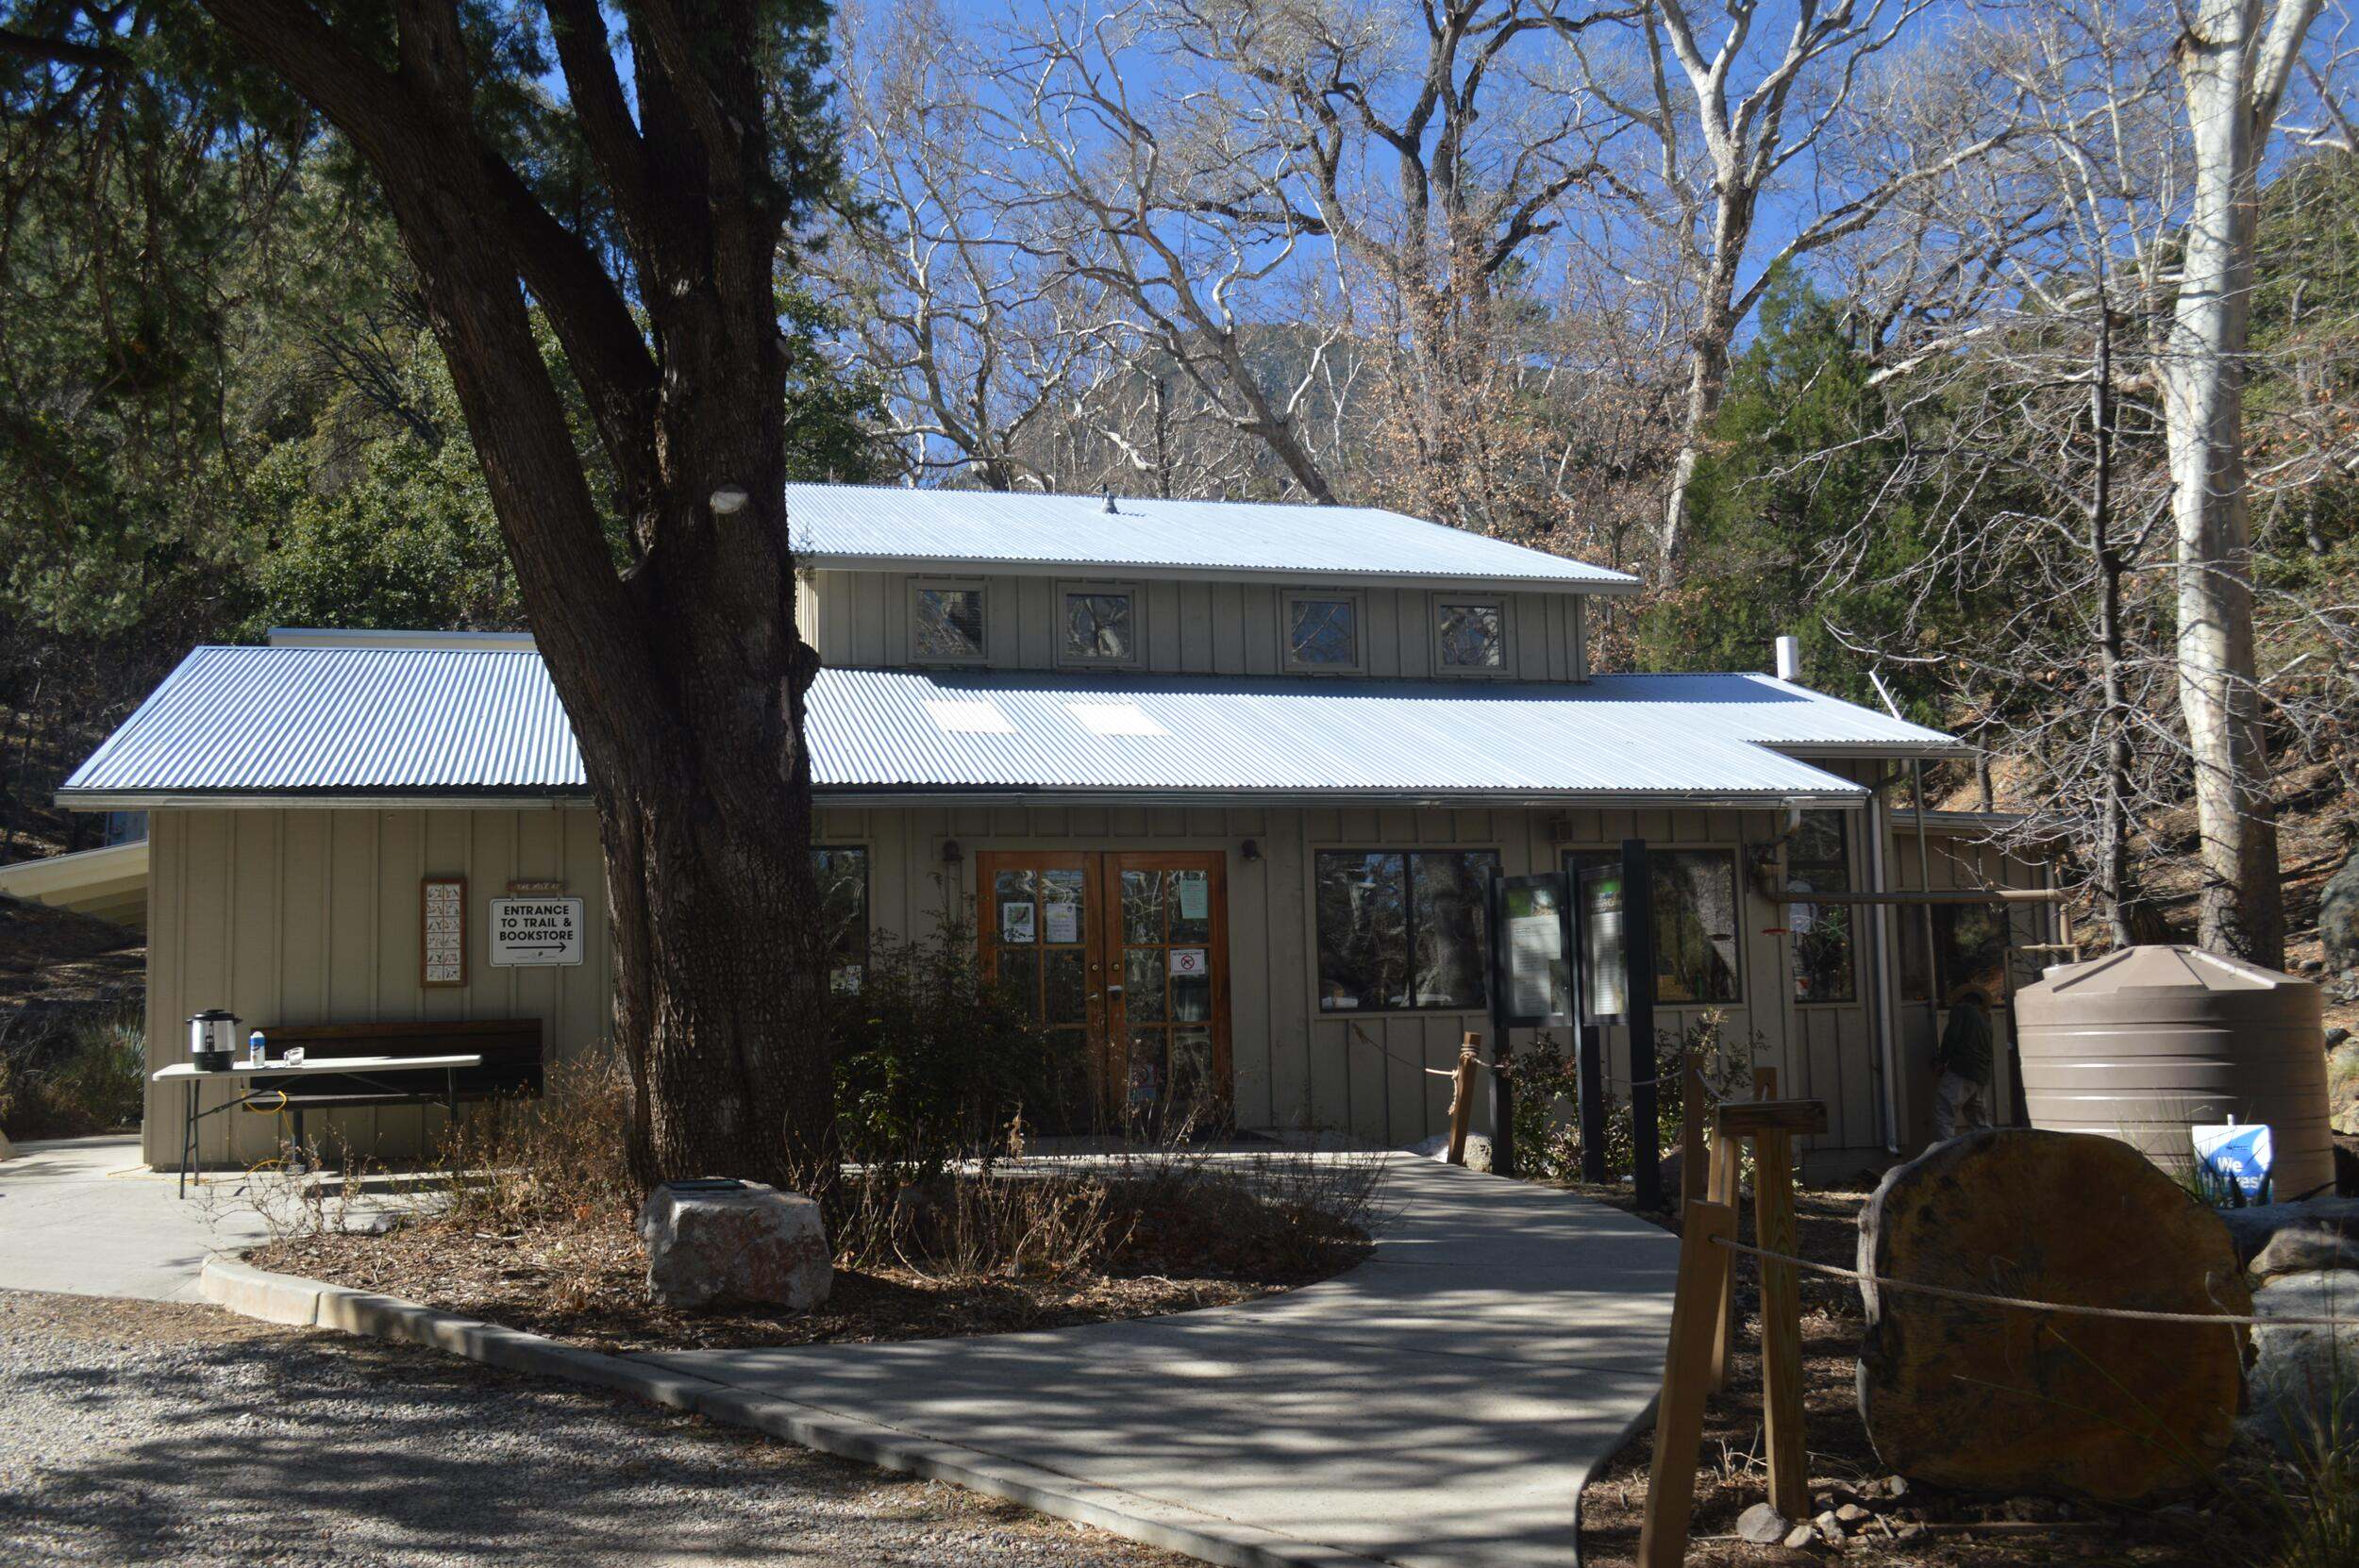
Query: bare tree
x,y
2235,59
976,336
1724,122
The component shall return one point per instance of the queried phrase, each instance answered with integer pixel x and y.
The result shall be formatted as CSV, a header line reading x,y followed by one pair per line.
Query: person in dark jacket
x,y
1962,1094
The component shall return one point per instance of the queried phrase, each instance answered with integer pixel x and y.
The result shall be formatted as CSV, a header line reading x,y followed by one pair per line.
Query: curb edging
x,y
289,1299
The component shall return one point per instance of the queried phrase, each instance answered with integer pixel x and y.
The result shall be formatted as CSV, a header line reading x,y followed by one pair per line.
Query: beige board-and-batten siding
x,y
860,620
311,916
304,916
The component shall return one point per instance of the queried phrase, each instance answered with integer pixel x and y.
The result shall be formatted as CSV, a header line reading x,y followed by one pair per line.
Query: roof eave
x,y
958,566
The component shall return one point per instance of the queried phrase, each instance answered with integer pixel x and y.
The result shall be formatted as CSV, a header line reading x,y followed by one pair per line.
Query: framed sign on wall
x,y
442,931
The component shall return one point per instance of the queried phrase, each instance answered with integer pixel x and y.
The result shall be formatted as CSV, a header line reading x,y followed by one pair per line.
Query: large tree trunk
x,y
2242,911
685,681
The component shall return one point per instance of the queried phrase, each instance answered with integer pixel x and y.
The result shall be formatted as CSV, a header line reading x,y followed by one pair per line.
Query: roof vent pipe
x,y
1112,509
1790,659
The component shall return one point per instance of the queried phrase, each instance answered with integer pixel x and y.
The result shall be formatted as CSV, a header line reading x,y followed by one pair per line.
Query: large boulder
x,y
2002,1400
735,1243
2305,1376
2342,1086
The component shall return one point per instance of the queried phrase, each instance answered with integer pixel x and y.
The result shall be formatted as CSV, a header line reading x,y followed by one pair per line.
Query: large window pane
x,y
1401,929
1363,929
1969,946
950,623
1694,922
842,877
1696,929
1819,861
1446,915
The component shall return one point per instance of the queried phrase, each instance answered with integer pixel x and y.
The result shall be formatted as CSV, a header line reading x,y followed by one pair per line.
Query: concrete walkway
x,y
1440,1405
83,1216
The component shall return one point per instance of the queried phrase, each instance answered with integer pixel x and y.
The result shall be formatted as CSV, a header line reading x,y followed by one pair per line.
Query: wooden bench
x,y
511,1049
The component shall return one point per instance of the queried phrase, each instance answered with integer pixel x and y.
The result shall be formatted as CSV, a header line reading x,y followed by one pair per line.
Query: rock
x,y
1997,1400
1800,1536
2342,1081
1851,1515
2338,918
1828,1527
2335,1035
2301,1374
1478,1150
2305,1249
2253,1229
748,1245
1763,1525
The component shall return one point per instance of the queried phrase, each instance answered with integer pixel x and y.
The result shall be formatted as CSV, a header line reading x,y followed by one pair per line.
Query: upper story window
x,y
1470,636
947,621
1323,632
1100,625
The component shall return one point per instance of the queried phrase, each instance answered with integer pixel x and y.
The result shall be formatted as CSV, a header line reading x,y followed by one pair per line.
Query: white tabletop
x,y
240,1068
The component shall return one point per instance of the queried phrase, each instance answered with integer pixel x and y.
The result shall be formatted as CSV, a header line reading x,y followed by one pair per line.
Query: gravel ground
x,y
144,1433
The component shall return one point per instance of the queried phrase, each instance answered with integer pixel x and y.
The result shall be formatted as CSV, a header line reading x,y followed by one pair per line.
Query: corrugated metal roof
x,y
394,721
312,720
854,525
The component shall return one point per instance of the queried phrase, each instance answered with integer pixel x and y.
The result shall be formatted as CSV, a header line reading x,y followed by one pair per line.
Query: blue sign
x,y
2233,1161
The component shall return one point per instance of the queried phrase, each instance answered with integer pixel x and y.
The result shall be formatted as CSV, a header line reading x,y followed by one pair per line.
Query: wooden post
x,y
1728,1165
1461,1097
1765,1083
1679,1420
1781,1324
1694,1180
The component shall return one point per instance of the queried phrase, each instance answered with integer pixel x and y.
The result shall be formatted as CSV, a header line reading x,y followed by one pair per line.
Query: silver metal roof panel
x,y
384,723
965,530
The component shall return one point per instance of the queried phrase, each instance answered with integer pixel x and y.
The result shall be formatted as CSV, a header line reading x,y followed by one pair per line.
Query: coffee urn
x,y
212,1040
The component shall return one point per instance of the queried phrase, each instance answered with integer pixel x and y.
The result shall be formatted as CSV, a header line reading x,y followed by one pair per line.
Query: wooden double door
x,y
1122,957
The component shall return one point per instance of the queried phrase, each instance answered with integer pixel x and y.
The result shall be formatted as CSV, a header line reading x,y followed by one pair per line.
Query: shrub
x,y
1546,1079
562,1156
933,1063
85,1071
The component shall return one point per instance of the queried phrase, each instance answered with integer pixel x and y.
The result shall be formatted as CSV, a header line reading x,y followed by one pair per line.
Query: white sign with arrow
x,y
535,932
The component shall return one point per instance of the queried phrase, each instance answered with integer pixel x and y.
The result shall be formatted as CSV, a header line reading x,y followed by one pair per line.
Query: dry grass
x,y
540,1235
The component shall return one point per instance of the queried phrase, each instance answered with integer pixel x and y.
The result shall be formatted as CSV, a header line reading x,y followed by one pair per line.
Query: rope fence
x,y
2025,1304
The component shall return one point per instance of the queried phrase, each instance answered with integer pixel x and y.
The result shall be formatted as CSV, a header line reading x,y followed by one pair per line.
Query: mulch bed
x,y
1921,1526
586,1284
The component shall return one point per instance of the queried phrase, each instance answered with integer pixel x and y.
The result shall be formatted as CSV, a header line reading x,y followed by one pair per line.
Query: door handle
x,y
1114,991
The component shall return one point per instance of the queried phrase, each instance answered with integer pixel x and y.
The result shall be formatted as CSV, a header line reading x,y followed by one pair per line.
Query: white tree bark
x,y
2232,74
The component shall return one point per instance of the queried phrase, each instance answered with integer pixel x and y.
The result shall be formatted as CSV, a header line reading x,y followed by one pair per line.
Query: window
x,y
1470,636
1402,929
1322,632
1969,948
947,622
1695,938
1101,627
1819,861
843,876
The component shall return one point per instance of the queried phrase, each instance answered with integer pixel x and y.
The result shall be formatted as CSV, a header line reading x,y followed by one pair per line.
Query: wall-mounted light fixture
x,y
951,853
1252,849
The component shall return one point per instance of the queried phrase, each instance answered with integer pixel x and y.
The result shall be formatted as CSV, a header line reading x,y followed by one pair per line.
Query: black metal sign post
x,y
1638,1011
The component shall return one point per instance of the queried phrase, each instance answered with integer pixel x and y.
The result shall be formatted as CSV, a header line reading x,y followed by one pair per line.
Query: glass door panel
x,y
1168,1021
1043,951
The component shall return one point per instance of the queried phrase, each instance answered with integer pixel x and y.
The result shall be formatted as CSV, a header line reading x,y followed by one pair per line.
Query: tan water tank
x,y
2144,1043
